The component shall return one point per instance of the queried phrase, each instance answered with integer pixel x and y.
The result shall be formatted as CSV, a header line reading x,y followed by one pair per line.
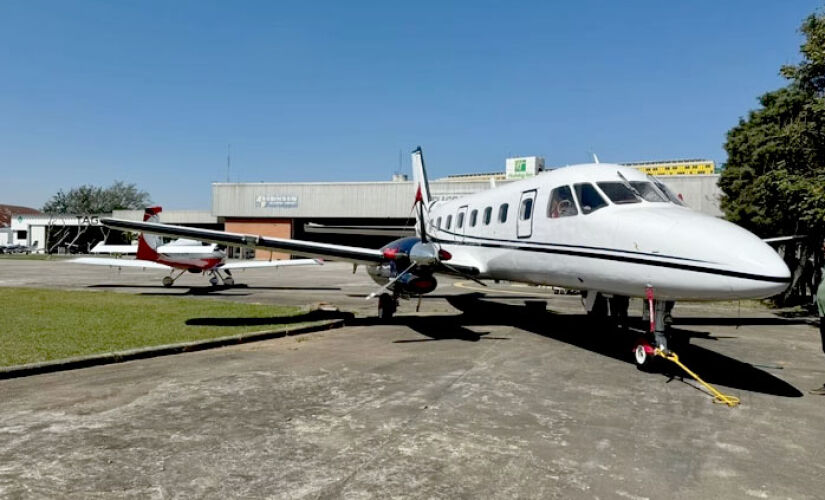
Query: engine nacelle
x,y
408,284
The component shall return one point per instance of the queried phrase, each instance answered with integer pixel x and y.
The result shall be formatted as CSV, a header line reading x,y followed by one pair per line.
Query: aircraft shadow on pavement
x,y
576,330
755,320
316,315
572,329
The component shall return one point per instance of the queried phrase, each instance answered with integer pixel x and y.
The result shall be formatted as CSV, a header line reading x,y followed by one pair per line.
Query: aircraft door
x,y
461,223
524,218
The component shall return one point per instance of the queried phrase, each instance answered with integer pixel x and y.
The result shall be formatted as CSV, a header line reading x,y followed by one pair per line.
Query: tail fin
x,y
422,185
148,244
422,192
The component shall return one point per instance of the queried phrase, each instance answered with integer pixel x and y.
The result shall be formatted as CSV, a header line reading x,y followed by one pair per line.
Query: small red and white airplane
x,y
607,230
181,255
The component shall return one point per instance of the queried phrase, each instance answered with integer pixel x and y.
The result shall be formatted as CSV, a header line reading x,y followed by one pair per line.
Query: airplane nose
x,y
754,268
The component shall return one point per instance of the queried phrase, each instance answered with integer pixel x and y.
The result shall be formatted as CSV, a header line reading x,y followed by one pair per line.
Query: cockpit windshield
x,y
618,192
667,192
648,191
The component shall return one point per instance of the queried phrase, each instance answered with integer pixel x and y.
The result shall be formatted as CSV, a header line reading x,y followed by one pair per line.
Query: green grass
x,y
41,325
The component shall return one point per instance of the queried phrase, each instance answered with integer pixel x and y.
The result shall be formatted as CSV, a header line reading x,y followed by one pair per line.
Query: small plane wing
x,y
99,261
250,264
102,247
299,247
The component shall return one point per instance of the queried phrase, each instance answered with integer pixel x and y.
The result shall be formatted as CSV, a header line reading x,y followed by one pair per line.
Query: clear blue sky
x,y
152,92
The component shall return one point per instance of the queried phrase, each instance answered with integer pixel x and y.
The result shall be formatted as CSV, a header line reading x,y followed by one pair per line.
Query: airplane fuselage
x,y
576,227
193,262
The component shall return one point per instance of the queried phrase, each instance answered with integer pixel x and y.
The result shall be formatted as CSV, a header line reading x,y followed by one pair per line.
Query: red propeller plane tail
x,y
148,244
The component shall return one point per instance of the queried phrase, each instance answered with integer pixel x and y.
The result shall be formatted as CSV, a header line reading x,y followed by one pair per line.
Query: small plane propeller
x,y
425,253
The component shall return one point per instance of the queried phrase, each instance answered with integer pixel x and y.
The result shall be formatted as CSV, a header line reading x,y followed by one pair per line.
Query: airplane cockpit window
x,y
488,214
449,221
648,191
473,218
618,192
502,212
561,203
460,222
526,210
589,199
670,195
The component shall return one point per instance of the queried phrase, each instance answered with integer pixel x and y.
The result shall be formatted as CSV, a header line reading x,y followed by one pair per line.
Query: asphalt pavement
x,y
474,396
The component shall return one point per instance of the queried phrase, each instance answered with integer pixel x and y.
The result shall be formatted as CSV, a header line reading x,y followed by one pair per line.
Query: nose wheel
x,y
168,281
644,355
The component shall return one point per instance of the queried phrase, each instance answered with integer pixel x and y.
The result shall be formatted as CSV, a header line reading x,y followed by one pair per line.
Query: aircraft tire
x,y
229,282
386,307
644,360
167,281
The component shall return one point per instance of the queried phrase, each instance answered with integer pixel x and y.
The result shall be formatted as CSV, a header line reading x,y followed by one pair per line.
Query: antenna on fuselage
x,y
595,158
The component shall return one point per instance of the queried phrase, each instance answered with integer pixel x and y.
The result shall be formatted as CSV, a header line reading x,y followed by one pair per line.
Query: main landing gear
x,y
387,305
216,275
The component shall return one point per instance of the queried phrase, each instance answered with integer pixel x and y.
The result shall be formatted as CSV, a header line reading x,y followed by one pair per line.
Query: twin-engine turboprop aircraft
x,y
181,256
610,231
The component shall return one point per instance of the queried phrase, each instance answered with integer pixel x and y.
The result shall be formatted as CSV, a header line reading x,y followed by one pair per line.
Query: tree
x,y
88,199
774,181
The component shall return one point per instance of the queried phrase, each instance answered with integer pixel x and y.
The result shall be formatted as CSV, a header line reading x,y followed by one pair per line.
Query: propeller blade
x,y
390,282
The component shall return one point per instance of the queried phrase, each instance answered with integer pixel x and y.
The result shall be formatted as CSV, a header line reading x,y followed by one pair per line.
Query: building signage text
x,y
277,201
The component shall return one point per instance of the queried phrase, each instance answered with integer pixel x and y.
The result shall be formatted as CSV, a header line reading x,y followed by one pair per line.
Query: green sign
x,y
19,218
521,166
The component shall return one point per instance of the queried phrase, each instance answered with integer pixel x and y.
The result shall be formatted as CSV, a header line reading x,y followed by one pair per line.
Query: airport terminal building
x,y
367,214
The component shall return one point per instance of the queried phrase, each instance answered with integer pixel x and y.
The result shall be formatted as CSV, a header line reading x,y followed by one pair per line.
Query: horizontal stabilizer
x,y
134,263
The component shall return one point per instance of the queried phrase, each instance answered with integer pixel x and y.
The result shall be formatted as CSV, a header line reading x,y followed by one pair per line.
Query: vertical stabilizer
x,y
422,192
420,181
148,243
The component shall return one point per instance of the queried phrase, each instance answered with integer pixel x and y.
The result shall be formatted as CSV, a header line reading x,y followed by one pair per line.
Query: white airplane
x,y
181,255
610,231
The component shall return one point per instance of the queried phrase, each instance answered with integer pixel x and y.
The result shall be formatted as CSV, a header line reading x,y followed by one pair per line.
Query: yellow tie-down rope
x,y
718,397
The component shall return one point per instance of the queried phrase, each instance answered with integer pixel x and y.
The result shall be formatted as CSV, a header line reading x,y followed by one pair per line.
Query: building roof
x,y
6,212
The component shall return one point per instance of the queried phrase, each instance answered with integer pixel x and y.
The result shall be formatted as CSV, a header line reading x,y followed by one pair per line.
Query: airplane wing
x,y
307,248
97,261
250,264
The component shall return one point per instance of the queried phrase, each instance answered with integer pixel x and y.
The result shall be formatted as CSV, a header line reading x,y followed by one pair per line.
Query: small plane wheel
x,y
167,281
213,281
229,282
386,307
643,358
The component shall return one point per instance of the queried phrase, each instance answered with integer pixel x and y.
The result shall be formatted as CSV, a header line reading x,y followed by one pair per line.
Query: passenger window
x,y
648,191
561,203
526,210
502,213
460,222
488,214
618,192
438,223
449,221
473,217
589,199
